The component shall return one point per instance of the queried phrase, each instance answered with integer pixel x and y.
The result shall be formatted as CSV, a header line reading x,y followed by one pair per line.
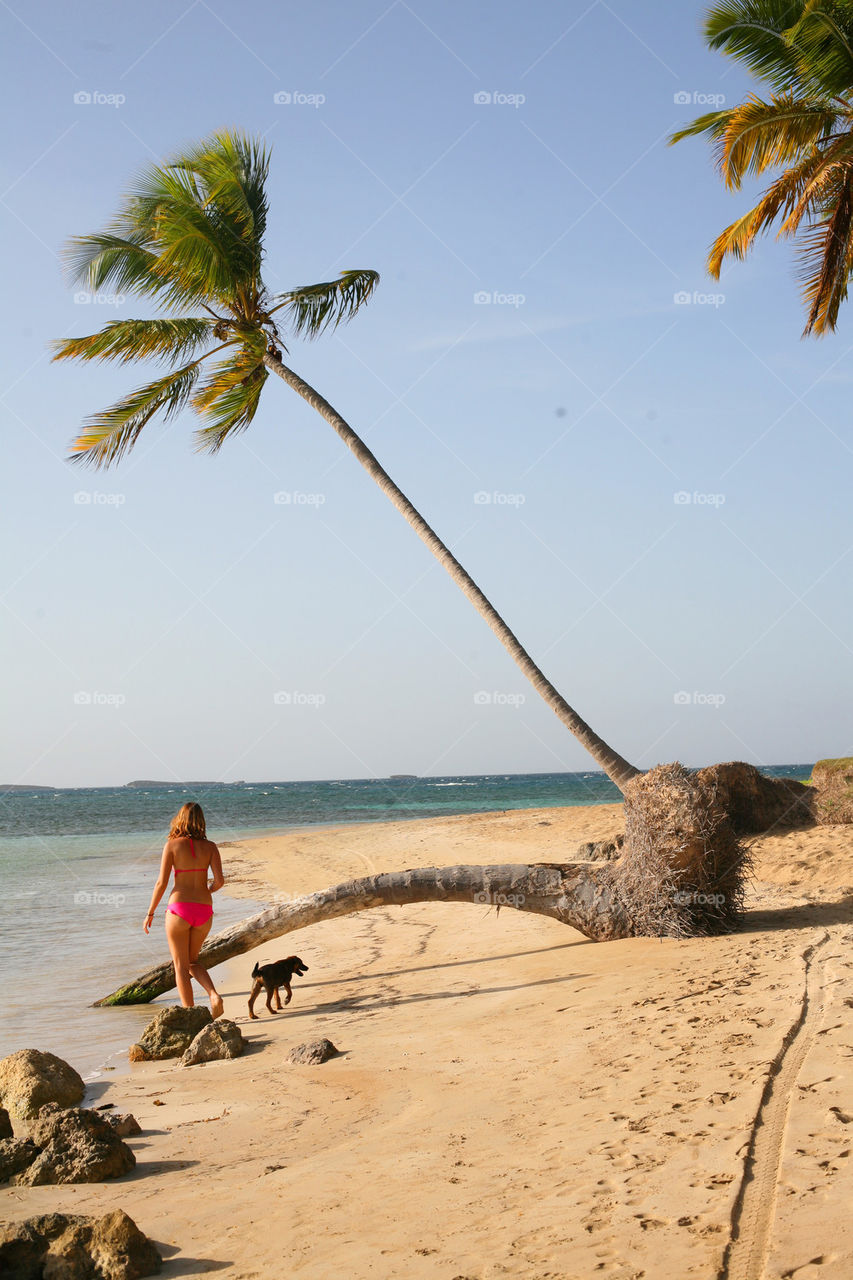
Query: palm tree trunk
x,y
584,895
616,768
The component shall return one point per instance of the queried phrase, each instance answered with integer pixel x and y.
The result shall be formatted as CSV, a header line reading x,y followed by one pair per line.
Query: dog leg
x,y
286,986
256,990
270,991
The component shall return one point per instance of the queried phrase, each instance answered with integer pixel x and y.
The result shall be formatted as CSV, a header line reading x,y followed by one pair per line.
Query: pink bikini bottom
x,y
195,913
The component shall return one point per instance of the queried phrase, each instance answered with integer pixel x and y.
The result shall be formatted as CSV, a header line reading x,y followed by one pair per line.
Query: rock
x,y
126,1126
5,1124
72,1246
15,1154
169,1034
832,781
312,1052
31,1078
76,1146
219,1039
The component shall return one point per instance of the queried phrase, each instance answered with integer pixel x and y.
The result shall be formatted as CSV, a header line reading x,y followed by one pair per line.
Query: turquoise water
x,y
77,867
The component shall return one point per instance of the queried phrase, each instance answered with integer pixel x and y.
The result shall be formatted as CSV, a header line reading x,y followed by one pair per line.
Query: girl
x,y
189,914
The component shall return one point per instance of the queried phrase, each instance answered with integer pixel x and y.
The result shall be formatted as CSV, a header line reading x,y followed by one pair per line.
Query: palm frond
x,y
110,257
316,307
756,32
107,436
714,123
781,200
826,257
823,39
234,169
762,135
124,340
228,400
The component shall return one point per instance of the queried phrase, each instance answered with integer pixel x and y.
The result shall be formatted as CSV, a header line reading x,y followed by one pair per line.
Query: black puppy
x,y
272,976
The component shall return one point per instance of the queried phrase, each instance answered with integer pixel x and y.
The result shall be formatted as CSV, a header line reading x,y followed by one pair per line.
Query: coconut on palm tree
x,y
190,236
803,126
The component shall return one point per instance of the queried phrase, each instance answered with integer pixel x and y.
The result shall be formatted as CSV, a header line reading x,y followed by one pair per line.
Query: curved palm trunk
x,y
583,895
616,768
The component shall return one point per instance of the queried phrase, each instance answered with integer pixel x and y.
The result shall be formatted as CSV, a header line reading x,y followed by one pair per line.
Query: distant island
x,y
7,787
152,782
402,777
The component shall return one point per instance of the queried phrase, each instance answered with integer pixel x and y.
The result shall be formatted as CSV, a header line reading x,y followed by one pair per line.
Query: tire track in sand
x,y
755,1207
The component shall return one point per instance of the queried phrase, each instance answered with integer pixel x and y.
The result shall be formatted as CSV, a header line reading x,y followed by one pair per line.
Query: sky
x,y
646,471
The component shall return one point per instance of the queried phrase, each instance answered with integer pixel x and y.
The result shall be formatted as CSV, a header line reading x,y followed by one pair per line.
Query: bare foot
x,y
217,1008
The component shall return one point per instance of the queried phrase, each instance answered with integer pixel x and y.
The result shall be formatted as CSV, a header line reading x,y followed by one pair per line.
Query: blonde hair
x,y
189,821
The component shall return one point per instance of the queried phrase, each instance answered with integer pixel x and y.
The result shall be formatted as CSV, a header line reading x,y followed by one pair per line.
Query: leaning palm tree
x,y
190,236
803,50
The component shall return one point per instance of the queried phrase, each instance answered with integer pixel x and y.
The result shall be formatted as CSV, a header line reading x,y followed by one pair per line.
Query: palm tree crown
x,y
803,49
190,235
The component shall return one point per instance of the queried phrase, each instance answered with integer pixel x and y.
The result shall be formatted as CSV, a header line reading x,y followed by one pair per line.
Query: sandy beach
x,y
510,1099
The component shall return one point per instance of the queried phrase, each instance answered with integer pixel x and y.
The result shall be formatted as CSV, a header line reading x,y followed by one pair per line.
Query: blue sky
x,y
667,525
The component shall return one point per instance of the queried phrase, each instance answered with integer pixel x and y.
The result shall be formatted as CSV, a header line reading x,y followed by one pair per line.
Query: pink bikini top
x,y
180,870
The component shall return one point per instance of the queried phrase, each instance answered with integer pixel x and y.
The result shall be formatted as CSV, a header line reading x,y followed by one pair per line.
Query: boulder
x,y
15,1154
76,1146
5,1124
312,1052
126,1126
72,1246
31,1078
219,1039
170,1033
832,782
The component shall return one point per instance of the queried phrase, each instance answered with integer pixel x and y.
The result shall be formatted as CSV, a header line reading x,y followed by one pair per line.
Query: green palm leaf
x,y
756,32
107,436
316,307
124,340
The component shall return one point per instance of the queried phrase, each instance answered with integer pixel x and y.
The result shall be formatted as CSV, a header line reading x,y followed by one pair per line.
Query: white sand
x,y
511,1100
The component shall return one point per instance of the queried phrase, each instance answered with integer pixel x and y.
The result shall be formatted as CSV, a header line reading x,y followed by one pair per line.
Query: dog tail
x,y
256,968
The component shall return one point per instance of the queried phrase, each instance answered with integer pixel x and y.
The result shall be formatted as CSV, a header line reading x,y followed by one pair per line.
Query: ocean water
x,y
77,868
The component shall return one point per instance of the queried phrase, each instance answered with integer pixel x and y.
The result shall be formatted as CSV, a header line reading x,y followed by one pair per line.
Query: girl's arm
x,y
166,864
216,867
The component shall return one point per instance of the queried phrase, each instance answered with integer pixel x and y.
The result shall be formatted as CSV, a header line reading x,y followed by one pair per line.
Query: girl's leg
x,y
178,937
198,933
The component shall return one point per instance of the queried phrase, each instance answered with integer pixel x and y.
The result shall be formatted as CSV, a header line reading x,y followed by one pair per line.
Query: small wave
x,y
454,784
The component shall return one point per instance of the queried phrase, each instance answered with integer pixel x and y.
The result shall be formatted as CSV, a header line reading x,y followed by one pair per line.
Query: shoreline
x,y
551,1106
